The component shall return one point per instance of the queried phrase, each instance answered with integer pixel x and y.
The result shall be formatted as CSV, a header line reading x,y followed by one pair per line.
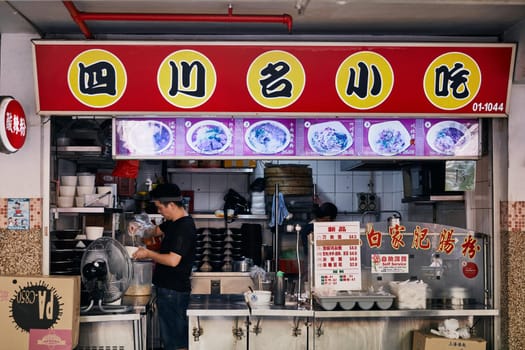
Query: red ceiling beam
x,y
80,18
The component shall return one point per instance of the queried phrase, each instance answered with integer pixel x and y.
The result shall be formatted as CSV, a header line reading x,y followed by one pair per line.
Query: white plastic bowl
x,y
86,180
94,232
67,191
103,189
68,180
258,298
79,201
83,190
65,202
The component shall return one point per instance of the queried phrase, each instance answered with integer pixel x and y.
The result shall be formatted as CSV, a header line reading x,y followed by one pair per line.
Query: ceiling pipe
x,y
80,18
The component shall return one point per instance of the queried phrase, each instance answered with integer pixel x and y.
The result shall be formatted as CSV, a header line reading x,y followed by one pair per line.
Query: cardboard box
x,y
425,341
39,312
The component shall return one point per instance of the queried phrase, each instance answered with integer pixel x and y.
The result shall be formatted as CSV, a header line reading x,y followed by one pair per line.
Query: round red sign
x,y
470,270
13,126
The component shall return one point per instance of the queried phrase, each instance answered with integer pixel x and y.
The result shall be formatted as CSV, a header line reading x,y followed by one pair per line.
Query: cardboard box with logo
x,y
426,341
39,312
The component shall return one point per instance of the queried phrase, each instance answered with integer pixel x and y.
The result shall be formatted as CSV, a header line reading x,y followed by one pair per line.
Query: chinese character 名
x,y
361,87
420,239
274,85
189,79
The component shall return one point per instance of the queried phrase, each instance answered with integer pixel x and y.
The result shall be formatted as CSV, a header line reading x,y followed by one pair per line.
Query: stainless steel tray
x,y
347,300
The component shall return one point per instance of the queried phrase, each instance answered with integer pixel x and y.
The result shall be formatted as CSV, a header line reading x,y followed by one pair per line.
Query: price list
x,y
337,255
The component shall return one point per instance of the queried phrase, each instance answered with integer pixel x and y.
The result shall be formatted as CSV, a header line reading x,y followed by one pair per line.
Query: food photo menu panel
x,y
208,137
269,137
260,138
144,137
327,137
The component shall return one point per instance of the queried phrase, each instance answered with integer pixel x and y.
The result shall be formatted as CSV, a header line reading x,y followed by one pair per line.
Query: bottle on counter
x,y
278,294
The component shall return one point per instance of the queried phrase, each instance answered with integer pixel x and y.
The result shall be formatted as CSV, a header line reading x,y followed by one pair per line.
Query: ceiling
x,y
352,18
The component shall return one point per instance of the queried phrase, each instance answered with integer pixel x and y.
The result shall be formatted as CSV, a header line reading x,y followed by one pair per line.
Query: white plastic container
x,y
68,180
67,191
65,202
83,190
142,275
86,180
94,232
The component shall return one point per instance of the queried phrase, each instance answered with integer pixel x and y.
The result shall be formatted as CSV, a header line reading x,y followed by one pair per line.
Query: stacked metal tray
x,y
348,300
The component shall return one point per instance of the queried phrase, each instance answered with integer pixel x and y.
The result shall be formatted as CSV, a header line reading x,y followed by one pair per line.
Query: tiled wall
x,y
21,250
333,184
512,217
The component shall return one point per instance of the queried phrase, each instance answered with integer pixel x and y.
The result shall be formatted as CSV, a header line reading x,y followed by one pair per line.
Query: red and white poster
x,y
337,255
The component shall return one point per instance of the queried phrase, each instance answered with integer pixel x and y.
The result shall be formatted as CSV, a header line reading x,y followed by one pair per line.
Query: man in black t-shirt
x,y
174,262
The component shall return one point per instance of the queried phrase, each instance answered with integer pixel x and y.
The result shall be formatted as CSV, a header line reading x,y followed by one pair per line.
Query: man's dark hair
x,y
167,193
326,210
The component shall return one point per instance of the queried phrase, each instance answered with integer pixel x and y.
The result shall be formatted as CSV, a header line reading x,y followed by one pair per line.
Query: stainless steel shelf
x,y
434,199
79,210
86,210
211,170
407,313
211,216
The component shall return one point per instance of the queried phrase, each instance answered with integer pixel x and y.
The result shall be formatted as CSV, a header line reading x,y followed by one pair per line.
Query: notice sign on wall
x,y
337,255
389,263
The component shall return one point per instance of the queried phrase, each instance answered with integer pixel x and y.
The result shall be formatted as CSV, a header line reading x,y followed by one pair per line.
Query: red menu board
x,y
260,138
277,78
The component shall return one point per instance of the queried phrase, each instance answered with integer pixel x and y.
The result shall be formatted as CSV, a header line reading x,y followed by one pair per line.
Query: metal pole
x,y
276,213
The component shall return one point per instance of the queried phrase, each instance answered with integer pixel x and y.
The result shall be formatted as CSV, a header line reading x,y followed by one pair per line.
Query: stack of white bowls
x,y
66,191
86,186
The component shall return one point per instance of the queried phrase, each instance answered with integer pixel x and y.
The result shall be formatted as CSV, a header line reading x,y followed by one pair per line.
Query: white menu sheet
x,y
337,255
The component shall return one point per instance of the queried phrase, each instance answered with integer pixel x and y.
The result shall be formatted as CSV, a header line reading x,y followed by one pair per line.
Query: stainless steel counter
x,y
126,329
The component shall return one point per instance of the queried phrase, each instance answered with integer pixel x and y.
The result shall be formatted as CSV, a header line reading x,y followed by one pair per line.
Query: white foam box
x,y
409,295
39,312
425,341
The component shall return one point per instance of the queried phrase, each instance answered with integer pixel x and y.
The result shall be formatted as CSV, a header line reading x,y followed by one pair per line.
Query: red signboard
x,y
331,79
13,126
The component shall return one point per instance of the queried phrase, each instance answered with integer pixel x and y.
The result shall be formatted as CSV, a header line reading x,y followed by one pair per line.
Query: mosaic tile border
x,y
512,216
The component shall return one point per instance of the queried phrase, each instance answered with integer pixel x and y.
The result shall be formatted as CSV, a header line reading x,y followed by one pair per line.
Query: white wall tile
x,y
344,183
201,182
344,201
325,183
236,182
327,167
360,181
182,180
201,201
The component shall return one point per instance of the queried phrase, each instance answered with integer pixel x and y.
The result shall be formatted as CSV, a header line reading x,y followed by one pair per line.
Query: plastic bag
x,y
126,168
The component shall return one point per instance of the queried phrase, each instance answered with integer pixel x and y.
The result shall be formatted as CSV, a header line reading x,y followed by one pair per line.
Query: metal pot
x,y
242,265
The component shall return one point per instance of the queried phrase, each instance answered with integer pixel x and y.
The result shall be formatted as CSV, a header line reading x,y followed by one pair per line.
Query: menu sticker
x,y
389,263
145,137
389,137
269,137
337,255
209,137
451,137
328,137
